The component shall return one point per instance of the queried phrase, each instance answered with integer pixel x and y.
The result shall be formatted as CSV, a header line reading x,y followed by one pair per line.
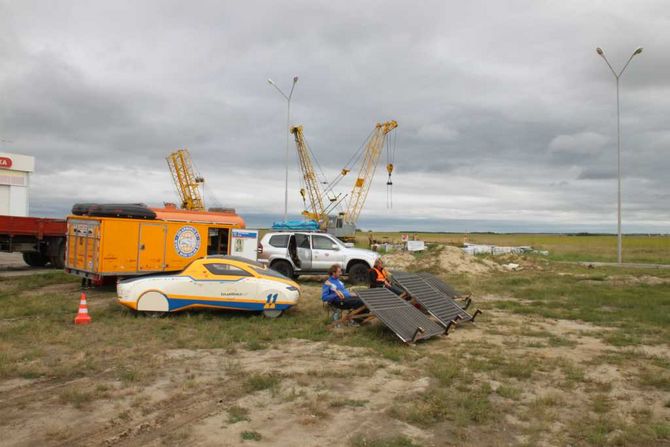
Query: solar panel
x,y
446,289
440,285
401,317
438,304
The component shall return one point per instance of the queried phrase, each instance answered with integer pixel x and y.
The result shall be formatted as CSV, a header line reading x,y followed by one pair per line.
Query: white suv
x,y
299,253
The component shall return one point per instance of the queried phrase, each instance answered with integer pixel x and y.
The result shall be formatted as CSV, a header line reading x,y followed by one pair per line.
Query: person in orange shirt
x,y
379,277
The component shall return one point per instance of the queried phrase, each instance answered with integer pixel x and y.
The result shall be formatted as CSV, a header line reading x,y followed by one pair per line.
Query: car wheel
x,y
282,267
358,273
153,304
272,313
295,276
153,314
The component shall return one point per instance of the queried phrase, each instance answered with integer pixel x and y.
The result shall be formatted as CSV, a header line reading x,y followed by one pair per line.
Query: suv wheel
x,y
283,267
358,273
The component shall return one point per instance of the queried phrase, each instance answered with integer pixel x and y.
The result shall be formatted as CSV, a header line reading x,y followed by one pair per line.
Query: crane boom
x,y
185,179
362,184
317,211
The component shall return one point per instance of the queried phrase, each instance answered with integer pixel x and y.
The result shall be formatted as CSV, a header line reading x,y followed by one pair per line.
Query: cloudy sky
x,y
507,116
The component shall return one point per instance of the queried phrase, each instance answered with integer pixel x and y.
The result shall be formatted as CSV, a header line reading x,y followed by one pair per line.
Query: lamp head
x,y
638,50
295,78
600,51
271,82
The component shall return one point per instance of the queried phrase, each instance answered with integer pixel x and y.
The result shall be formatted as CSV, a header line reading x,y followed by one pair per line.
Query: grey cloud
x,y
596,173
511,95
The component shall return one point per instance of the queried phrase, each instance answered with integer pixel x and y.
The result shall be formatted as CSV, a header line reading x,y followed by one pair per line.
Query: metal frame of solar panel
x,y
406,321
446,289
436,303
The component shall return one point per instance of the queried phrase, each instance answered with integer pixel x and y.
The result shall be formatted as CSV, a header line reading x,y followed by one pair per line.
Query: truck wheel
x,y
283,267
35,259
358,273
58,260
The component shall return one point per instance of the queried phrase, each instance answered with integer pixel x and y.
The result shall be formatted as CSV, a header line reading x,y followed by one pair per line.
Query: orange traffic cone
x,y
82,316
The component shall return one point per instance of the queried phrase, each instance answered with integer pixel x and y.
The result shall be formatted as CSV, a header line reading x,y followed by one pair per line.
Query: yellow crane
x,y
311,189
343,224
186,180
321,202
373,150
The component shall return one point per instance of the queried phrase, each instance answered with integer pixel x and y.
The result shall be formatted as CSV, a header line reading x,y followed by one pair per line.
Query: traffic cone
x,y
82,316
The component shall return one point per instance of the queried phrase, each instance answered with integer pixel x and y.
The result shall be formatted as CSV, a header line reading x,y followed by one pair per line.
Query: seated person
x,y
379,277
334,292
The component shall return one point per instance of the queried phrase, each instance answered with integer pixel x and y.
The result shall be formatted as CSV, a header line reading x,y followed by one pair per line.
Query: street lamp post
x,y
617,76
288,131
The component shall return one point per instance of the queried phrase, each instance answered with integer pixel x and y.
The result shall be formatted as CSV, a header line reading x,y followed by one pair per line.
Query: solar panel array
x,y
438,304
446,289
399,315
440,285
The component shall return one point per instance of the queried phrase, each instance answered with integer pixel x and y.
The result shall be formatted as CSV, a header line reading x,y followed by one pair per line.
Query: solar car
x,y
219,282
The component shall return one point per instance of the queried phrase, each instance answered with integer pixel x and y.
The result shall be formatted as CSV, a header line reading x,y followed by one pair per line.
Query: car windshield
x,y
268,272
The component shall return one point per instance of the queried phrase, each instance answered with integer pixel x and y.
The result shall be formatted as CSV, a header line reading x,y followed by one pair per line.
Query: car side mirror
x,y
336,247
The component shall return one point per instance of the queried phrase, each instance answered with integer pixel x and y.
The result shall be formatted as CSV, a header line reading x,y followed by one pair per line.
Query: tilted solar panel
x,y
446,289
401,317
440,285
438,304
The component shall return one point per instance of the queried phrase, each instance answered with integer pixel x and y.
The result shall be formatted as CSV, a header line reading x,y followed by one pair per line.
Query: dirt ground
x,y
308,393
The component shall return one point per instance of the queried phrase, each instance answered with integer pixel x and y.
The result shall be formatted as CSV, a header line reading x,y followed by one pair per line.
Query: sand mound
x,y
454,260
398,260
448,258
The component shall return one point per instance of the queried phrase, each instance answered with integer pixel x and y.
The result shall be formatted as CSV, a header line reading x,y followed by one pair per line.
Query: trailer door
x,y
83,244
151,247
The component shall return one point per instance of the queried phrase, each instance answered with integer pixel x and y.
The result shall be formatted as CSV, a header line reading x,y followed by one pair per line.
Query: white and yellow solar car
x,y
220,282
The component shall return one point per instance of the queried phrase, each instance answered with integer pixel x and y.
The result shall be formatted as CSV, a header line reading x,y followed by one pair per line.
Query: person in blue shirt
x,y
334,293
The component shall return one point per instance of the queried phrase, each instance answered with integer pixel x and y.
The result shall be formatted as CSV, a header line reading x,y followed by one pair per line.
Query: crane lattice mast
x,y
362,184
312,189
185,179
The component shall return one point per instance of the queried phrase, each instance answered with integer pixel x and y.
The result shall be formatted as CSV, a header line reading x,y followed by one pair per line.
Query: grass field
x,y
636,249
562,355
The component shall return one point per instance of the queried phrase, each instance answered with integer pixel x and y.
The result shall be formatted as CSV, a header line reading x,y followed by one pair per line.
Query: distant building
x,y
15,172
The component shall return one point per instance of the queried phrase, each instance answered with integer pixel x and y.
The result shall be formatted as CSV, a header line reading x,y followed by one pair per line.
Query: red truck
x,y
40,239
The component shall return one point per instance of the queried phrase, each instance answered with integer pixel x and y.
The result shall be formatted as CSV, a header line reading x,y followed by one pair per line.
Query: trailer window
x,y
279,240
226,270
217,242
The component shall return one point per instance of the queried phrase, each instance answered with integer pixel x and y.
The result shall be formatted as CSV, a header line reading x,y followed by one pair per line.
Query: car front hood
x,y
362,253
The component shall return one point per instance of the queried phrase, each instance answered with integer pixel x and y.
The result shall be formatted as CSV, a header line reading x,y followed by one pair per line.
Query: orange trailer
x,y
99,247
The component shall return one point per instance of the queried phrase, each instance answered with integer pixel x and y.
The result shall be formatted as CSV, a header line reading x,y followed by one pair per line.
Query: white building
x,y
15,172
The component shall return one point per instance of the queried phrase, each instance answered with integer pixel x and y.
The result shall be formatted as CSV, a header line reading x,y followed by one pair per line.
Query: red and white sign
x,y
5,162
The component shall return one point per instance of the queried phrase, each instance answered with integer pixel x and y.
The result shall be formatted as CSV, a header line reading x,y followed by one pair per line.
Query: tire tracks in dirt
x,y
172,414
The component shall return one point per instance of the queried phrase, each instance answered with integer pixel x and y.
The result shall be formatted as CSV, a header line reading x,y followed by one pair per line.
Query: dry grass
x,y
517,377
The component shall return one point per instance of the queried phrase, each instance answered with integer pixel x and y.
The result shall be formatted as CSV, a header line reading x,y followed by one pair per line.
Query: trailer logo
x,y
5,162
187,241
